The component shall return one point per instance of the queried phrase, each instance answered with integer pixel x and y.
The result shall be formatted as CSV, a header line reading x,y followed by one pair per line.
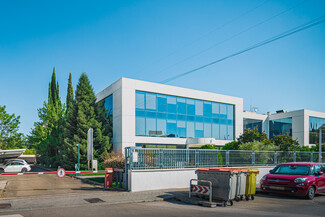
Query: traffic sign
x,y
60,173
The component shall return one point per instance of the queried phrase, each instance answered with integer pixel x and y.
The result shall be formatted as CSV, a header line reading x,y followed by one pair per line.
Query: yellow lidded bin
x,y
251,183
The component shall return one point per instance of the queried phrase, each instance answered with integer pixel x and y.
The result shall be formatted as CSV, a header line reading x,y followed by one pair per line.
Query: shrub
x,y
30,152
112,160
208,146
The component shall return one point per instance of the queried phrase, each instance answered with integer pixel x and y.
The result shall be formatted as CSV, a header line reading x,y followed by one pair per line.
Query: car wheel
x,y
311,193
23,170
2,171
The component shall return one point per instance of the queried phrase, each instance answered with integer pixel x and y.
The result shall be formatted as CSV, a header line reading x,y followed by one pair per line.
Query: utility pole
x,y
320,144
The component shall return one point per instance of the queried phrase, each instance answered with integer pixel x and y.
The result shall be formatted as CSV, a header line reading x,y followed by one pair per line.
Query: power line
x,y
211,31
231,37
297,29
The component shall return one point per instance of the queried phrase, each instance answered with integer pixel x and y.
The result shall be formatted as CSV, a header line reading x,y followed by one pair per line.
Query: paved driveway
x,y
35,185
264,205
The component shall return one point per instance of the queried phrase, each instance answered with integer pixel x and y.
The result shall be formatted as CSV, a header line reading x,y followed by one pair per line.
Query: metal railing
x,y
150,158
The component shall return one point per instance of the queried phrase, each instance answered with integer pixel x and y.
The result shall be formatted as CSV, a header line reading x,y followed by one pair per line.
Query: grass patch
x,y
91,174
102,180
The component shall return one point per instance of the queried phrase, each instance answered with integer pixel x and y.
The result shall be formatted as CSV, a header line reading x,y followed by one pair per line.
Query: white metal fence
x,y
150,158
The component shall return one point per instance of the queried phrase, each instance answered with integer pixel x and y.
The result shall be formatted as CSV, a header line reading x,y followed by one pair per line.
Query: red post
x,y
108,177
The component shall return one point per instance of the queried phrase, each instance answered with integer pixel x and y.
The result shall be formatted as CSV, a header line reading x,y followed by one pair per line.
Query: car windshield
x,y
292,170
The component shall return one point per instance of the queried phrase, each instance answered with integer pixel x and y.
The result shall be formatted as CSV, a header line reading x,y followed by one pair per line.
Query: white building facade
x,y
302,125
152,115
147,114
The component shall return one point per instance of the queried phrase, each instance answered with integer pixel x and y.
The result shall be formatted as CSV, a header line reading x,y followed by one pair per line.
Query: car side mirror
x,y
271,171
319,173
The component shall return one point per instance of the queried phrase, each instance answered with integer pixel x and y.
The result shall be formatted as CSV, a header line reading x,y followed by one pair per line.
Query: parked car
x,y
15,167
16,160
301,179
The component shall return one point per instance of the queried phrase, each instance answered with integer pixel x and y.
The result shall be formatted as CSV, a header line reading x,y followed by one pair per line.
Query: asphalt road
x,y
263,205
37,185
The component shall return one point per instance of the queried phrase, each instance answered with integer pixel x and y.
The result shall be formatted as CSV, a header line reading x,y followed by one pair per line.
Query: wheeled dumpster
x,y
223,181
251,183
241,184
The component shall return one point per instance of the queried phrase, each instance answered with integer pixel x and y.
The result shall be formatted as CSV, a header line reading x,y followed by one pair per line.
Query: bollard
x,y
108,177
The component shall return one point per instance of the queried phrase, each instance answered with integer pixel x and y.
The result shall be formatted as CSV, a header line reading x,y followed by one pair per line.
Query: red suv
x,y
302,179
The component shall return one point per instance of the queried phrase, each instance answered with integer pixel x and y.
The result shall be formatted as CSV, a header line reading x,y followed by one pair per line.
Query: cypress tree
x,y
70,150
48,132
84,117
70,95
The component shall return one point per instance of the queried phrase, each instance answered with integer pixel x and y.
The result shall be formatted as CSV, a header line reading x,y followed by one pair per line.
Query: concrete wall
x,y
145,180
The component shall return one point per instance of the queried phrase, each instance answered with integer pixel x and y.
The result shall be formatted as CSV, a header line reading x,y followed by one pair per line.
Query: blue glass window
x,y
151,101
170,116
215,110
198,107
171,104
199,132
162,103
161,127
108,105
171,128
207,130
252,124
190,103
280,127
181,106
140,123
181,129
207,109
314,125
139,100
190,133
151,126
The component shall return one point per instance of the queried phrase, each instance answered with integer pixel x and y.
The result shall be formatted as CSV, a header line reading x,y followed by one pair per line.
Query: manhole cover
x,y
94,200
5,205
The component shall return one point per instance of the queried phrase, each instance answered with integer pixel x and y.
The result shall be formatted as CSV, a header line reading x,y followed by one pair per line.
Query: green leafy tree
x,y
286,143
251,136
234,145
10,138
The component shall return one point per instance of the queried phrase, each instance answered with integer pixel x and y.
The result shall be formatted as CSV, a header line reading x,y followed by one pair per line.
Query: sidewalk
x,y
75,200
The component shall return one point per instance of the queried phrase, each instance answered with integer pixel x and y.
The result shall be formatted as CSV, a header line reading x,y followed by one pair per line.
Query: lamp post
x,y
320,144
78,157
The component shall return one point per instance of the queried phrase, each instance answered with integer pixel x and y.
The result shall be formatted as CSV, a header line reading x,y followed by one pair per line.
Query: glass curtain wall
x,y
170,116
280,127
252,124
314,125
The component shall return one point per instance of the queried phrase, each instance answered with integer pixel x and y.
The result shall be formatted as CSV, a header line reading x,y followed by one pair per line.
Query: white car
x,y
16,160
15,167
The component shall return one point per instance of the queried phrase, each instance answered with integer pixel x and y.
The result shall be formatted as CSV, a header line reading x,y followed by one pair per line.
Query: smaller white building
x,y
302,125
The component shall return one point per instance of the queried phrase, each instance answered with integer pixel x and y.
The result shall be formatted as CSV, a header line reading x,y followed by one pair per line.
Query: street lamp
x,y
320,144
78,157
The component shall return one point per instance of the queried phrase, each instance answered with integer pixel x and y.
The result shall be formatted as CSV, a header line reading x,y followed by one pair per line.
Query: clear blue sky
x,y
149,40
